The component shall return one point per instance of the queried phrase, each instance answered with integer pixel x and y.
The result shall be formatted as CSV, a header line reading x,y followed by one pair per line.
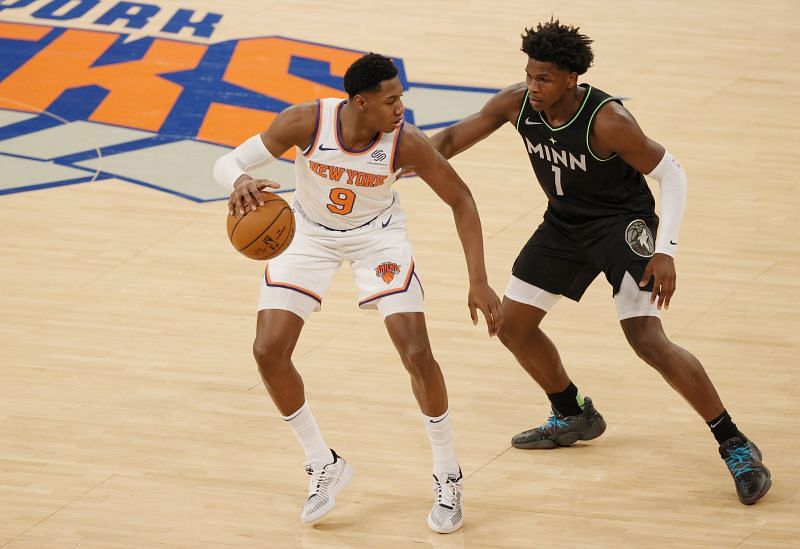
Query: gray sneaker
x,y
743,459
561,430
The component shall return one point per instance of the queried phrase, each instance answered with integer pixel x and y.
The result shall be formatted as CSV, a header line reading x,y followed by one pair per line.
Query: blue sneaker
x,y
561,430
743,459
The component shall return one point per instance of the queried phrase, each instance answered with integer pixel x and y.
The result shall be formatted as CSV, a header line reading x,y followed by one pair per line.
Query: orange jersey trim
x,y
288,286
339,142
314,141
395,147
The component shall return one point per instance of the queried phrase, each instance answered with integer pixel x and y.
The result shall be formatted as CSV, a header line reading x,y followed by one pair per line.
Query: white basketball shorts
x,y
380,255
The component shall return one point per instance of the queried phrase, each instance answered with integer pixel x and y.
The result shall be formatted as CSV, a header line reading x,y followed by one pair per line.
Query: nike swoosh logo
x,y
387,222
673,243
324,148
713,425
528,122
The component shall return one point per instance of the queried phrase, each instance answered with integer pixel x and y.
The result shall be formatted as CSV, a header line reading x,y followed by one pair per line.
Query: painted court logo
x,y
387,271
88,104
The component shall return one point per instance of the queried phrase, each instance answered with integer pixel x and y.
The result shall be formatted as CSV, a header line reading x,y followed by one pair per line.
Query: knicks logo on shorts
x,y
639,238
387,271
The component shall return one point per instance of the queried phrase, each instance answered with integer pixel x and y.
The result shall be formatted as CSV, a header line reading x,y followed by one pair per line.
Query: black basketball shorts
x,y
564,258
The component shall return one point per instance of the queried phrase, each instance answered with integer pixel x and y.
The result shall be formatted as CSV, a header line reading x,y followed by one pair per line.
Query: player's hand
x,y
481,296
661,268
246,195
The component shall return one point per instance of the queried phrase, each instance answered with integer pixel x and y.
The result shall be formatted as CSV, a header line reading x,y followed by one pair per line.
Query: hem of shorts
x,y
297,289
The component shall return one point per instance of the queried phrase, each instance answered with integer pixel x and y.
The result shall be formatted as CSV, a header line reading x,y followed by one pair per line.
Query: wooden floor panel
x,y
132,413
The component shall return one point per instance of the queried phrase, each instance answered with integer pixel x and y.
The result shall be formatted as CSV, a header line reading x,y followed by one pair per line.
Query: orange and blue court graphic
x,y
85,103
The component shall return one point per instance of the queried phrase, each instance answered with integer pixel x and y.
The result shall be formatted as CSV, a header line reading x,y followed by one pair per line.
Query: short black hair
x,y
367,73
559,44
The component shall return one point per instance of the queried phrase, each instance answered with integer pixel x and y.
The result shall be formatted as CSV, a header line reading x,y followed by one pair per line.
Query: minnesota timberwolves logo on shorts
x,y
639,238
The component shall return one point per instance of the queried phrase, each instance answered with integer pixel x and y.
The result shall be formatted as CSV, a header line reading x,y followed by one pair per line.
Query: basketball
x,y
263,233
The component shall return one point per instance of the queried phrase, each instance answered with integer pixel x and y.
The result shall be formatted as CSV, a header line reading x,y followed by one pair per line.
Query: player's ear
x,y
572,80
360,102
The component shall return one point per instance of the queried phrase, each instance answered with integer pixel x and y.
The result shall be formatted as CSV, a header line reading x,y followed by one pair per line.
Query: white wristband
x,y
230,167
673,183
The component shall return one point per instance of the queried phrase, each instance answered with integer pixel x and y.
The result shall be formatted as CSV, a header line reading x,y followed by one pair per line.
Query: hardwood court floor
x,y
132,415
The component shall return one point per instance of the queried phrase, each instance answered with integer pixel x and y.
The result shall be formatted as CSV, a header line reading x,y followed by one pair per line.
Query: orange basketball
x,y
265,232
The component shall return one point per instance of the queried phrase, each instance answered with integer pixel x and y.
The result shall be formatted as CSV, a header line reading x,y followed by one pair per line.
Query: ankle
x,y
723,428
567,402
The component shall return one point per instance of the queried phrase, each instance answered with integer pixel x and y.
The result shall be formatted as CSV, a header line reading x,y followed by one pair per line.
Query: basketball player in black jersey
x,y
589,155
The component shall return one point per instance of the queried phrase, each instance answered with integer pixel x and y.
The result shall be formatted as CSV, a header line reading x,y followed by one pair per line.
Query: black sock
x,y
566,401
723,428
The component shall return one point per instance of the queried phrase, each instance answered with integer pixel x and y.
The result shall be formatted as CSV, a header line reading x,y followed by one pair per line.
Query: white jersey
x,y
339,188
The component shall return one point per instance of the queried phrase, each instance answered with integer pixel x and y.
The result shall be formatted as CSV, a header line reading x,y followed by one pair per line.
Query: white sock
x,y
444,452
308,434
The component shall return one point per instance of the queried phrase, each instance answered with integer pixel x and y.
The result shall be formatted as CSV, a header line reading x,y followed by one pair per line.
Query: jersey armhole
x,y
317,126
396,147
522,108
589,129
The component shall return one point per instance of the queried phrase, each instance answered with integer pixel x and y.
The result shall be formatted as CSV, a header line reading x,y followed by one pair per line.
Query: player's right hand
x,y
246,195
482,297
660,268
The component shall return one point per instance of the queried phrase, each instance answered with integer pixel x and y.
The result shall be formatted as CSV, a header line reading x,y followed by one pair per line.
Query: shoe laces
x,y
739,461
319,481
447,493
554,422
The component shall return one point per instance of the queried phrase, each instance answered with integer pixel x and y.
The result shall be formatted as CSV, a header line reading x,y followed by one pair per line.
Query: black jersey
x,y
579,185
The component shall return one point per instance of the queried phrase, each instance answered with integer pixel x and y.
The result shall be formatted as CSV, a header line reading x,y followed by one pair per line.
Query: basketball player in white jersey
x,y
349,154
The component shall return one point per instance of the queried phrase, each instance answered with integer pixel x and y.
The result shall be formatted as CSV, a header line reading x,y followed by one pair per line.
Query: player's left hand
x,y
661,268
481,296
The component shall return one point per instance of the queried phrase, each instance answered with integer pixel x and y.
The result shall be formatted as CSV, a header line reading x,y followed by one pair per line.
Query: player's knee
x,y
512,336
418,360
270,354
649,346
647,351
647,339
506,336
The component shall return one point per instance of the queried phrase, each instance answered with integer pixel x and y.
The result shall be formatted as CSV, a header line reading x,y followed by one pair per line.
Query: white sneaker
x,y
446,515
323,485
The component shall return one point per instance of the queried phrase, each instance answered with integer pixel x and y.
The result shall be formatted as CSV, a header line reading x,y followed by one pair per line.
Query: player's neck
x,y
354,134
563,111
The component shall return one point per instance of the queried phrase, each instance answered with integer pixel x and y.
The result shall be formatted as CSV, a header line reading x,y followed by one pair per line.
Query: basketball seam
x,y
273,197
268,227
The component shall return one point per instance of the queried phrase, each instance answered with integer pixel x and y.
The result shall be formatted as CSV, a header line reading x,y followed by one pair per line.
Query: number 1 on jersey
x,y
559,189
343,200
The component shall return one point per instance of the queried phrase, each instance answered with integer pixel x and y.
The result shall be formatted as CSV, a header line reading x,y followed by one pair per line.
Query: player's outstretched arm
x,y
416,150
501,108
292,127
615,131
